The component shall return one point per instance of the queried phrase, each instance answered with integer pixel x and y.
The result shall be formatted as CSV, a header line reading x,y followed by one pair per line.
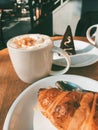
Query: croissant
x,y
74,110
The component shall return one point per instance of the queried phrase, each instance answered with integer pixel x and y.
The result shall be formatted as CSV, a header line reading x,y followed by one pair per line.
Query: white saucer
x,y
86,54
23,114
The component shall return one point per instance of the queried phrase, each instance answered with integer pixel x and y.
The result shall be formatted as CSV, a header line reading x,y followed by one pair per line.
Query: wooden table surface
x,y
11,86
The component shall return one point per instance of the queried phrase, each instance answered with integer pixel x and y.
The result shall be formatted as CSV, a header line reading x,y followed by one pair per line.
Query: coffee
x,y
30,41
32,56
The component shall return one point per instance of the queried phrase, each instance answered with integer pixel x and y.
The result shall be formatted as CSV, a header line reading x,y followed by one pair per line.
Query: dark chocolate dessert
x,y
67,42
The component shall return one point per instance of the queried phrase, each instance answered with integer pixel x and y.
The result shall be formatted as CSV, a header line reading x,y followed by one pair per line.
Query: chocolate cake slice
x,y
67,42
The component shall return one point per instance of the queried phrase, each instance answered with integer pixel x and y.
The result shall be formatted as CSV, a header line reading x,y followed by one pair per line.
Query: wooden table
x,y
11,86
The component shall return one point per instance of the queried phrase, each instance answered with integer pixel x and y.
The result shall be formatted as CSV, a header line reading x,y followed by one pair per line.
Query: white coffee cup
x,y
32,59
92,38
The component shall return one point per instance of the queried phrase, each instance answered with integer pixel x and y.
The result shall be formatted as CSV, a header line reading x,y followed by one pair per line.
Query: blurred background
x,y
50,17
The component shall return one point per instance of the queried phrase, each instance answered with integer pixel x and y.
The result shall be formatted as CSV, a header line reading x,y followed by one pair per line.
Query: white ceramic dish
x,y
86,54
23,114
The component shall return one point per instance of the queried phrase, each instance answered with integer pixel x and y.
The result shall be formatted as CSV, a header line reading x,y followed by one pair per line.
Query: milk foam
x,y
30,41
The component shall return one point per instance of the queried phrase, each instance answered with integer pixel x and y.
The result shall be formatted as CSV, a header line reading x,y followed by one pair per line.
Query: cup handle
x,y
66,57
90,37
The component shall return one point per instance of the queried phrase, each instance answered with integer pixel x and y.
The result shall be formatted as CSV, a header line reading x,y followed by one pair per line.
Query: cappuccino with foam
x,y
32,56
30,41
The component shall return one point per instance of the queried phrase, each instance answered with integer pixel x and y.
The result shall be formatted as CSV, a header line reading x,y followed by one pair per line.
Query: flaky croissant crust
x,y
66,110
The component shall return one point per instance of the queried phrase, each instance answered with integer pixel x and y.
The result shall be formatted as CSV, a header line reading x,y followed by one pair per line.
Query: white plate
x,y
24,116
86,54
